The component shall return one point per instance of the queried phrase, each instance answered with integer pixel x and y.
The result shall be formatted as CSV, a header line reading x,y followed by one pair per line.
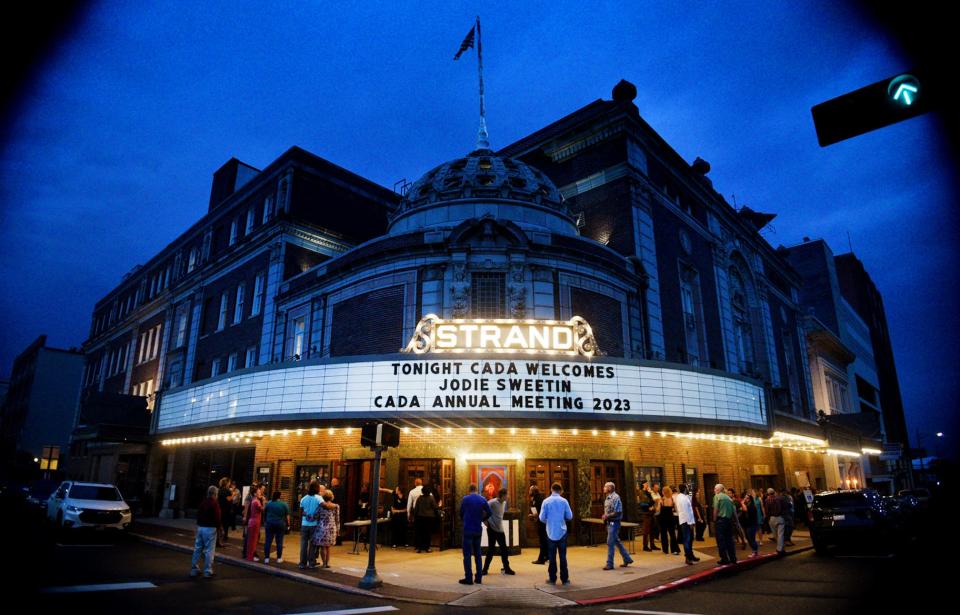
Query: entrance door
x,y
436,474
355,477
601,473
762,482
543,473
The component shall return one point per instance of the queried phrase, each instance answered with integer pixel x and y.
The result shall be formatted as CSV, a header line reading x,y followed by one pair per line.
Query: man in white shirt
x,y
412,497
687,520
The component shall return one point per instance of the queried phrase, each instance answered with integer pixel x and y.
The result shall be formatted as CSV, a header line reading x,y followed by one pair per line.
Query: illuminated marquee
x,y
503,335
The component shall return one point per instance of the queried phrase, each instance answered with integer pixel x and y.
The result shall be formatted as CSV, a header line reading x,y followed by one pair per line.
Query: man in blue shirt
x,y
612,516
555,512
474,510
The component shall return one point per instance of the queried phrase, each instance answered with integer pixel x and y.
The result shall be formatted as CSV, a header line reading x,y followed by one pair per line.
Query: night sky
x,y
109,149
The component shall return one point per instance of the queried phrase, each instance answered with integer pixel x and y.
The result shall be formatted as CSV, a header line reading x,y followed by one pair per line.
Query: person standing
x,y
738,533
225,502
426,512
496,536
668,528
699,514
339,495
723,519
328,526
657,496
398,518
789,506
536,503
687,522
254,522
208,528
646,507
555,513
412,496
774,505
309,515
474,510
748,506
277,519
612,516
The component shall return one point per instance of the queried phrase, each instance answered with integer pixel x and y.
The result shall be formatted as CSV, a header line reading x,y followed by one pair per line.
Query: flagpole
x,y
483,141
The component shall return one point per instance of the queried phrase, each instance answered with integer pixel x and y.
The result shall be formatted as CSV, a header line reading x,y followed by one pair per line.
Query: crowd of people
x,y
673,516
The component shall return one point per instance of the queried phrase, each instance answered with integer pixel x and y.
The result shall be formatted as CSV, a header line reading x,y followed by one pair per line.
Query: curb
x,y
278,572
692,579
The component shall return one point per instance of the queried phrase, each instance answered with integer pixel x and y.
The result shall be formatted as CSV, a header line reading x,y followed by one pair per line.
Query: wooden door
x,y
601,473
436,474
543,473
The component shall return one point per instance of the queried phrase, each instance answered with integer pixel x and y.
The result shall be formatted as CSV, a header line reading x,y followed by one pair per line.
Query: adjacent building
x,y
39,410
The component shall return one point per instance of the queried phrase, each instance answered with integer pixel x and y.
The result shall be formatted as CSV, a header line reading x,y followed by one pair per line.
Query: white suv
x,y
93,505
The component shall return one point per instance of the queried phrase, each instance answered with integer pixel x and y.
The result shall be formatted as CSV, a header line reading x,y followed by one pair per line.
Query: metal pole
x,y
371,580
483,141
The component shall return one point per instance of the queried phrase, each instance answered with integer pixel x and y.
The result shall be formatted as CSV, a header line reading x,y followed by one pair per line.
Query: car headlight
x,y
74,509
125,511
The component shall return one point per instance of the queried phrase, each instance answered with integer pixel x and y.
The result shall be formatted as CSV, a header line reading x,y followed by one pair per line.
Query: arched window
x,y
742,329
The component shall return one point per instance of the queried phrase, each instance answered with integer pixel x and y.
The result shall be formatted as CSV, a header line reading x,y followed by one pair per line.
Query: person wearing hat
x,y
774,506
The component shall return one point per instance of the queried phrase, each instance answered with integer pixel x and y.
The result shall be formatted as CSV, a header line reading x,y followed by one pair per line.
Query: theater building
x,y
580,306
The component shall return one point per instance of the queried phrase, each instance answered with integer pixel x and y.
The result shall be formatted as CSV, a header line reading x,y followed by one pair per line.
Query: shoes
x,y
552,581
696,559
675,552
608,567
301,567
194,573
279,560
567,582
781,553
465,582
266,560
478,579
689,562
625,564
256,559
723,562
647,549
326,565
419,551
507,571
753,555
429,551
539,562
789,543
207,575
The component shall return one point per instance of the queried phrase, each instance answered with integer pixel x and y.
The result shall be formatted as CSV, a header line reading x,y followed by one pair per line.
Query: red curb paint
x,y
690,580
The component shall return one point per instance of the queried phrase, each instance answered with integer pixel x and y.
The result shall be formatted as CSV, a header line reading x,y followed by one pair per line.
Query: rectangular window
x,y
267,209
166,277
232,362
192,260
257,295
238,306
123,358
142,347
250,217
156,342
181,326
836,395
488,295
215,368
251,359
299,330
233,232
222,320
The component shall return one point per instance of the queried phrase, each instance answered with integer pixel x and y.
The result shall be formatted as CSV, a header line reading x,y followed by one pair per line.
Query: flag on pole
x,y
467,43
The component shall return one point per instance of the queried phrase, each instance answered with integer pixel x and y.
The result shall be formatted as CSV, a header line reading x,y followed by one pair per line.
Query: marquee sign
x,y
573,337
456,385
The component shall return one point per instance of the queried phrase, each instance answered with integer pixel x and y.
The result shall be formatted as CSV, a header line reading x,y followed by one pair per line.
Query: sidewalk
x,y
432,577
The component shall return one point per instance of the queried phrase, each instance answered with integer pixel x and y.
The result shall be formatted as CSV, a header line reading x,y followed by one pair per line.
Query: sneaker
x,y
256,559
266,560
279,560
608,567
625,564
465,582
301,567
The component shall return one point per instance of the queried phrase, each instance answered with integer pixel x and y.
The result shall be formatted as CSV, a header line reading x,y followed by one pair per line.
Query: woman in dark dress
x,y
668,524
398,518
426,512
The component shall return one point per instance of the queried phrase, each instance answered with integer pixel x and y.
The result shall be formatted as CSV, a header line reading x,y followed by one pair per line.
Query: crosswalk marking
x,y
104,587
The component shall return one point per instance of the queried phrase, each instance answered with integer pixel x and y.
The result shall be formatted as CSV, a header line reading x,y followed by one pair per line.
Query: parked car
x,y
861,515
922,495
88,505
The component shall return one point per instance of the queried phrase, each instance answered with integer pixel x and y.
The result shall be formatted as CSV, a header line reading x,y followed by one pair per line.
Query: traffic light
x,y
877,105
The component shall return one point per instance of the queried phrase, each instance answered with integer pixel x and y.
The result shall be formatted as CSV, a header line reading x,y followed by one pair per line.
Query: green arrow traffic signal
x,y
877,105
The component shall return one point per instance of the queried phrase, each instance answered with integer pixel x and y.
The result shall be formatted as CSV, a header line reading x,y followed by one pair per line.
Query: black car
x,y
857,516
38,493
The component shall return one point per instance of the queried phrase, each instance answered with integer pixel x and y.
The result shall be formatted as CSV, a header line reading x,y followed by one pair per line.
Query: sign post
x,y
378,437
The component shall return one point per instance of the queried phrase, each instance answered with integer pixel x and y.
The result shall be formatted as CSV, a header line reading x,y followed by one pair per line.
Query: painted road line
x,y
648,612
63,546
372,609
106,587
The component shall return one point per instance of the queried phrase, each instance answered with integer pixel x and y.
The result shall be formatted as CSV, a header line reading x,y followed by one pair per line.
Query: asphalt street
x,y
105,573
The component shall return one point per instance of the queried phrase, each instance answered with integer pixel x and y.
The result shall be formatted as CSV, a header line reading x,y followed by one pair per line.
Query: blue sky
x,y
109,155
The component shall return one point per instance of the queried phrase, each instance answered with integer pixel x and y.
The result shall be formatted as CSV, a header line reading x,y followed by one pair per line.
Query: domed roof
x,y
483,175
